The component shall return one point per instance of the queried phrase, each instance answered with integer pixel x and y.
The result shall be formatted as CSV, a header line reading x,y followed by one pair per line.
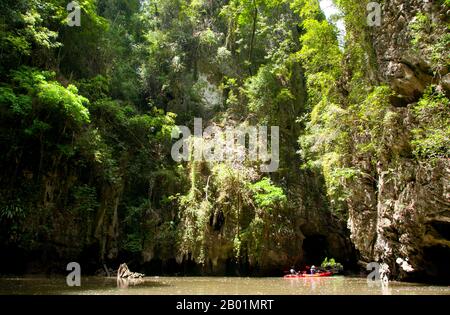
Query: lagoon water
x,y
337,285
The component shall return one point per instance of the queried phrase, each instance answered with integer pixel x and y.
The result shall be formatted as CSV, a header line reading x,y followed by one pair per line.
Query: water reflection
x,y
124,283
381,285
339,285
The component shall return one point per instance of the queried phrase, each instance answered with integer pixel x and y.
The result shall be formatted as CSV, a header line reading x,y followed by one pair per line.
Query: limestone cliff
x,y
402,217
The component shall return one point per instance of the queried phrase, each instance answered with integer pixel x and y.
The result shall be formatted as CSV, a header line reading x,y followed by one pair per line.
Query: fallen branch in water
x,y
124,273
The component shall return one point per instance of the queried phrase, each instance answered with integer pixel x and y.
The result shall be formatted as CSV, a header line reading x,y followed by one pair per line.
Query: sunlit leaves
x,y
267,195
55,95
320,51
31,84
19,104
307,9
431,138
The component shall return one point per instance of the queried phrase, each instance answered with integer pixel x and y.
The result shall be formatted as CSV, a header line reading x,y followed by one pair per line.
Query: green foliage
x,y
261,90
42,95
431,39
19,104
267,195
95,88
28,25
320,51
254,212
335,134
337,177
431,138
55,95
133,243
373,118
86,116
348,121
331,264
85,199
419,26
307,9
84,129
13,211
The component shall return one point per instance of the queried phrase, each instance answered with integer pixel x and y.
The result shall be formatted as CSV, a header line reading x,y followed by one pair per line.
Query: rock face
x,y
413,222
409,70
402,217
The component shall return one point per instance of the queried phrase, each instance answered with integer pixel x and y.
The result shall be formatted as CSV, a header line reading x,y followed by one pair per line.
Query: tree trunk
x,y
252,41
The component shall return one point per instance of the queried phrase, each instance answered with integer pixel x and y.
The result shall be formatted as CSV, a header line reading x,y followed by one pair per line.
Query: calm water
x,y
213,285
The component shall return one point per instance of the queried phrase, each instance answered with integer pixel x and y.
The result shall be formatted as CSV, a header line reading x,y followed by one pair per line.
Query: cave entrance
x,y
437,264
442,228
314,249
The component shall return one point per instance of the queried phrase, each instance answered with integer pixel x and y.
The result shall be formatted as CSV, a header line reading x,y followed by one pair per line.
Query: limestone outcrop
x,y
402,217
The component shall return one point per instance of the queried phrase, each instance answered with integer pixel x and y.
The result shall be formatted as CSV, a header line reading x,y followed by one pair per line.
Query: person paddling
x,y
292,271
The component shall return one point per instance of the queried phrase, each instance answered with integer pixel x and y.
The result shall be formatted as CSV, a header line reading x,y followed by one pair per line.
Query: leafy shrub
x,y
431,138
331,264
267,195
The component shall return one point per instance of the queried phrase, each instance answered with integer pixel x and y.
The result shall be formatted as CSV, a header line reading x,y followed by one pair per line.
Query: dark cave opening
x,y
314,249
443,228
437,264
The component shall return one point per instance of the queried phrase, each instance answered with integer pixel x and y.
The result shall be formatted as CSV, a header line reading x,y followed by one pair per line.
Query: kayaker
x,y
292,271
313,269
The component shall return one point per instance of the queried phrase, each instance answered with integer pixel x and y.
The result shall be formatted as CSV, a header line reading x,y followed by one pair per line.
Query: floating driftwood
x,y
124,273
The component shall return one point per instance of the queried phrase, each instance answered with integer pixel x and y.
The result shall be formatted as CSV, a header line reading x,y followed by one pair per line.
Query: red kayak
x,y
307,275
